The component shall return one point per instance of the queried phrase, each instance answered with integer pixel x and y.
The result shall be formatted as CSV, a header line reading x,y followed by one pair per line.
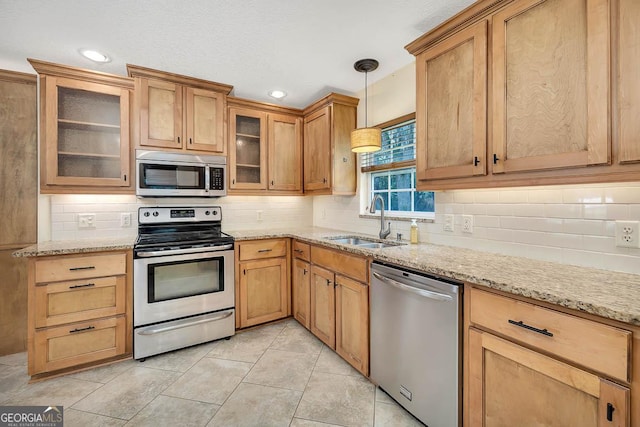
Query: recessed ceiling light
x,y
94,55
277,94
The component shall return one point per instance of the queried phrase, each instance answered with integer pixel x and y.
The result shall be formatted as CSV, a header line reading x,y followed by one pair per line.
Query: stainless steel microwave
x,y
165,174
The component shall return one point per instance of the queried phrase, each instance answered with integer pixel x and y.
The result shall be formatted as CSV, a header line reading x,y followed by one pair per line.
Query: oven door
x,y
172,286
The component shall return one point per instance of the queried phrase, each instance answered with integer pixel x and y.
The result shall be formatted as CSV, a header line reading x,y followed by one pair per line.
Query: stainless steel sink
x,y
363,242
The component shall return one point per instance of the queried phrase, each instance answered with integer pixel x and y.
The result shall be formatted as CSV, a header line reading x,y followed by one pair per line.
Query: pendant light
x,y
365,139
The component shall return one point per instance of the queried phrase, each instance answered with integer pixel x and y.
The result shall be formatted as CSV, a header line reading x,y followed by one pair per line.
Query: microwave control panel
x,y
217,178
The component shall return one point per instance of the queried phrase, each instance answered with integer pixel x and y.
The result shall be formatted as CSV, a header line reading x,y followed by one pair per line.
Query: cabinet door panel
x,y
263,291
205,120
352,322
317,150
247,149
551,85
511,385
451,106
285,152
301,286
322,323
86,133
160,114
628,82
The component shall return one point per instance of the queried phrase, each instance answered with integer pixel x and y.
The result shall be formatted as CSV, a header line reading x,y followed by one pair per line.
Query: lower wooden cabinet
x,y
339,304
323,306
531,365
262,292
301,291
79,311
511,385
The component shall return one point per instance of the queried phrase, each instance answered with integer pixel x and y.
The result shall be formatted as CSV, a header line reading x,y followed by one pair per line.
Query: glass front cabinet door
x,y
85,133
247,149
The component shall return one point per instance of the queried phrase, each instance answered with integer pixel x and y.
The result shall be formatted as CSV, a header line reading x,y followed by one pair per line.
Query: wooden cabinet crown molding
x,y
51,69
150,73
18,77
468,16
232,101
332,98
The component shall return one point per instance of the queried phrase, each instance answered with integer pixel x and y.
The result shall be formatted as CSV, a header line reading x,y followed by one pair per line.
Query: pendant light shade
x,y
365,139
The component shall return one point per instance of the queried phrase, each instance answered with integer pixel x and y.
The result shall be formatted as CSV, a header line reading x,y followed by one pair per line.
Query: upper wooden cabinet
x,y
561,105
452,106
265,148
329,164
550,85
84,130
628,94
178,112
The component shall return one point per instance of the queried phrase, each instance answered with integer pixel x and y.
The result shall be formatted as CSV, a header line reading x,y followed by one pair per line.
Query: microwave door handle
x,y
207,178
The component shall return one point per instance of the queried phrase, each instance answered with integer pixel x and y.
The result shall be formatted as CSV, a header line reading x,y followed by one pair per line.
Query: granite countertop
x,y
65,247
604,293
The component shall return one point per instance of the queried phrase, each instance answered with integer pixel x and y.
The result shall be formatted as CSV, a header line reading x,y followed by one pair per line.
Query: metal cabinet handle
x,y
90,267
610,410
495,158
88,328
328,282
178,140
521,324
304,271
264,250
86,285
476,160
190,141
299,251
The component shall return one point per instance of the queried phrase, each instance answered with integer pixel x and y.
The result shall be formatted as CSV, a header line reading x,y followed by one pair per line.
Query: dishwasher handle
x,y
422,292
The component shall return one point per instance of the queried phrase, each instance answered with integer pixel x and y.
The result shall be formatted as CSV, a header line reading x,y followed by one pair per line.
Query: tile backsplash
x,y
566,224
238,213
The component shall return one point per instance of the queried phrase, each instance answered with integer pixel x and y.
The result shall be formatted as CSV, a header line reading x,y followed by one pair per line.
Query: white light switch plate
x,y
448,222
87,220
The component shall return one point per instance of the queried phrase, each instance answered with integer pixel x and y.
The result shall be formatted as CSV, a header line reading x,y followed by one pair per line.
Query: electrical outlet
x,y
259,216
627,234
125,219
448,222
467,223
87,220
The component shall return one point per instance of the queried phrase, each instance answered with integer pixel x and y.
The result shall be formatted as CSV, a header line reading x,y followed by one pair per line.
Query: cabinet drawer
x,y
79,267
259,249
78,343
301,250
349,265
591,344
75,301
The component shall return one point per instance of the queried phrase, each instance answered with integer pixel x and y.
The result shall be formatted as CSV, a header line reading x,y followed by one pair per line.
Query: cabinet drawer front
x,y
591,344
79,300
349,265
78,343
80,267
301,250
259,249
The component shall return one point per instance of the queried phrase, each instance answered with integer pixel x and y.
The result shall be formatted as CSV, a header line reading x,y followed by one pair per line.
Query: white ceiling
x,y
304,47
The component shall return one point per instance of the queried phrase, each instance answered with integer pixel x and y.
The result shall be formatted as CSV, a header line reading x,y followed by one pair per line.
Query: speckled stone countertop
x,y
65,247
604,293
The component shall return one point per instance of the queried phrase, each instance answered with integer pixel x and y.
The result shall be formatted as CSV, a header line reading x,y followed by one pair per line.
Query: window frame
x,y
367,174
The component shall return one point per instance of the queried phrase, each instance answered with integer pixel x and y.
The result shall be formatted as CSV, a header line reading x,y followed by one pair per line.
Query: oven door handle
x,y
147,254
161,329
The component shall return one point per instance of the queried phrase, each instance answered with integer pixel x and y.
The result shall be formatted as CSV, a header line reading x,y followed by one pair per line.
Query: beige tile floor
x,y
273,375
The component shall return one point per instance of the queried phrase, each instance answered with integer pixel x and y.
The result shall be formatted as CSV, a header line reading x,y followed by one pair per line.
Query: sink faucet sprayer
x,y
372,209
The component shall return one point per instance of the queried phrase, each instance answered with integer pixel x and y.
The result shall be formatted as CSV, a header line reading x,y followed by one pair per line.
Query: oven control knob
x,y
155,213
146,214
207,213
214,213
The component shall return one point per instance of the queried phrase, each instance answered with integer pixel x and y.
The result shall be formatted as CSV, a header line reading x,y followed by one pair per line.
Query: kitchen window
x,y
391,172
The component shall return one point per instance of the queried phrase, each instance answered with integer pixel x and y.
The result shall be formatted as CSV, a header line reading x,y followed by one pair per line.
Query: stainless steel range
x,y
183,279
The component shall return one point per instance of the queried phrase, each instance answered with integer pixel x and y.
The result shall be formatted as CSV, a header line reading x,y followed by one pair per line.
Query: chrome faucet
x,y
372,209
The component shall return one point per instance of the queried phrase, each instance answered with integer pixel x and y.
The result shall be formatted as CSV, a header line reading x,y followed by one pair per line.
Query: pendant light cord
x,y
366,103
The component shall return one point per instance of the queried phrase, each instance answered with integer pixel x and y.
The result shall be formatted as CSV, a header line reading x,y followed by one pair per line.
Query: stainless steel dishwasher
x,y
415,342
